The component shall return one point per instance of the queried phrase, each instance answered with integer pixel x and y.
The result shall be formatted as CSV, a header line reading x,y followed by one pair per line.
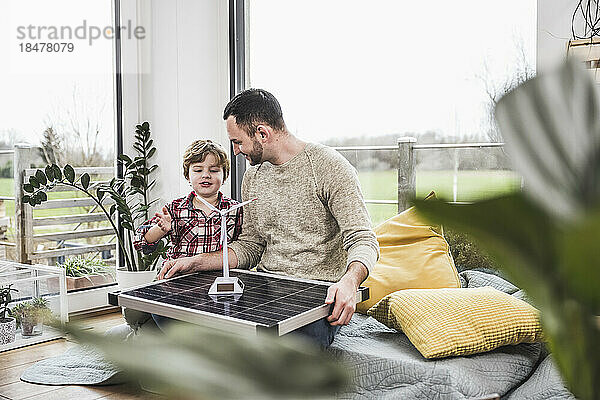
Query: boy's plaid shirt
x,y
192,231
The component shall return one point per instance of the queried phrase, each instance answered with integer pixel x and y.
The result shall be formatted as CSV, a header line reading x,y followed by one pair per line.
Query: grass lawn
x,y
471,185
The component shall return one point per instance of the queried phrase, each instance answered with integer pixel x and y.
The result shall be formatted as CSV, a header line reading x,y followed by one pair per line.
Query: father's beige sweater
x,y
310,219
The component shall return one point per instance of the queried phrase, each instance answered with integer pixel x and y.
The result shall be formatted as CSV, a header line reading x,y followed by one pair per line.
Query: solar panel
x,y
270,303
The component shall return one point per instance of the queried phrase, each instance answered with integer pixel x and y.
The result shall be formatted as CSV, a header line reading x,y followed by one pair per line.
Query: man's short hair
x,y
253,107
197,152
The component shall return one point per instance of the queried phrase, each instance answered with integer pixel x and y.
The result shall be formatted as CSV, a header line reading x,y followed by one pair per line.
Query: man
x,y
310,219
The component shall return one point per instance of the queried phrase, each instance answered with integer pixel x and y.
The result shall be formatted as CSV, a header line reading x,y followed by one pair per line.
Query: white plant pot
x,y
127,279
8,327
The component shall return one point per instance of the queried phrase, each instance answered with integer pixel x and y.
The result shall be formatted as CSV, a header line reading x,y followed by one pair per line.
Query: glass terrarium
x,y
33,298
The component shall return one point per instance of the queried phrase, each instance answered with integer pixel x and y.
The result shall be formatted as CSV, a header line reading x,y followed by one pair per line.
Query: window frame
x,y
118,106
237,81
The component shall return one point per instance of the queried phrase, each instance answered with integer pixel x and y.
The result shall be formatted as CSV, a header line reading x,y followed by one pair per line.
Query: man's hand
x,y
343,293
178,266
164,220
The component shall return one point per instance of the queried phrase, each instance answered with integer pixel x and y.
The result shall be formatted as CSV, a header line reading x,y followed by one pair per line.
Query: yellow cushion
x,y
413,255
453,322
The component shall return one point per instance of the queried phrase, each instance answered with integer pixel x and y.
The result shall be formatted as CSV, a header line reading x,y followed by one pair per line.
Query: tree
x,y
8,138
76,125
52,150
496,89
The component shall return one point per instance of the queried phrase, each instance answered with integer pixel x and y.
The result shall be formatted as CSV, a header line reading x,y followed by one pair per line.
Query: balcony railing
x,y
407,173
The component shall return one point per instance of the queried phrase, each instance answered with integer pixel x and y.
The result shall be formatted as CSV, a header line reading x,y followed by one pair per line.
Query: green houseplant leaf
x,y
69,173
514,241
579,261
41,177
5,299
57,172
124,158
100,193
552,129
85,180
49,172
34,182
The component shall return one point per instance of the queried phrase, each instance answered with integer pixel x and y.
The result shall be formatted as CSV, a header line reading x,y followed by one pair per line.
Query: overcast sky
x,y
39,87
365,68
339,68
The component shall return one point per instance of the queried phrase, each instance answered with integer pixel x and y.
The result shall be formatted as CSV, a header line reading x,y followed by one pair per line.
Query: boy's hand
x,y
177,266
164,220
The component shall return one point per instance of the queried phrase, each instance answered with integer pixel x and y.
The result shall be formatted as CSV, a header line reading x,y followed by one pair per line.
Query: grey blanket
x,y
387,366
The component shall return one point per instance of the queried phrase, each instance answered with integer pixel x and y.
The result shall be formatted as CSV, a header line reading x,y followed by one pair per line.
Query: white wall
x,y
177,78
553,31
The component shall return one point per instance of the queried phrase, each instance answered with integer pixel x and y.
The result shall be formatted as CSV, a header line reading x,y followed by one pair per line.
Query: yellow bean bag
x,y
413,255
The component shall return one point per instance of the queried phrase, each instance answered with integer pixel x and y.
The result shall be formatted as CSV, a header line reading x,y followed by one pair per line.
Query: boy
x,y
193,228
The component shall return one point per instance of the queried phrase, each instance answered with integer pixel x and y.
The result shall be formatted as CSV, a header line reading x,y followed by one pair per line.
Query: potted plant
x,y
8,324
31,316
84,272
130,195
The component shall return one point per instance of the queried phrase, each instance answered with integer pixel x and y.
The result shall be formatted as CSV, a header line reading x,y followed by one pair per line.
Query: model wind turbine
x,y
225,285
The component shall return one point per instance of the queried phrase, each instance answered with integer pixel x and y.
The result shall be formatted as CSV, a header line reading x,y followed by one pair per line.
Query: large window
x,y
366,73
57,80
66,87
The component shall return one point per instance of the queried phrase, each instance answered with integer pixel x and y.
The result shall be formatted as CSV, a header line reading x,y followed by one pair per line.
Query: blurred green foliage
x,y
545,239
189,361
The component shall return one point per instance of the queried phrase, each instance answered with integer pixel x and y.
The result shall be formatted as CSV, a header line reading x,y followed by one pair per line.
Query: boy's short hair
x,y
197,152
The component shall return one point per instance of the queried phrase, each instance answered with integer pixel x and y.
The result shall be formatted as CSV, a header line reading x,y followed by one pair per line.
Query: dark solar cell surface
x,y
266,300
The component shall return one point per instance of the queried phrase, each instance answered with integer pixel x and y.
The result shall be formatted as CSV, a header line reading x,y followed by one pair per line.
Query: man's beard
x,y
256,154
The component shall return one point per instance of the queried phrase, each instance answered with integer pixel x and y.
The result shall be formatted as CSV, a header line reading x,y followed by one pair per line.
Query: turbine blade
x,y
235,207
209,205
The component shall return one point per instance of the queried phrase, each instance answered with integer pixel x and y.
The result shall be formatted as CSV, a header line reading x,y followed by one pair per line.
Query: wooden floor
x,y
14,362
